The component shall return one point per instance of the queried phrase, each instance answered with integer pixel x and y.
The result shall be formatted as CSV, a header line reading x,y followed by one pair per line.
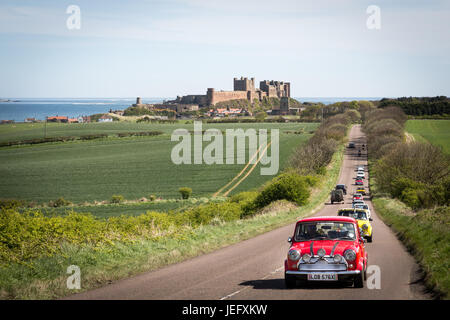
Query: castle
x,y
243,88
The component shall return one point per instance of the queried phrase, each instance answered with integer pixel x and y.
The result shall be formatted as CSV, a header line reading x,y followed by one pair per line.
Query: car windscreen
x,y
356,214
325,230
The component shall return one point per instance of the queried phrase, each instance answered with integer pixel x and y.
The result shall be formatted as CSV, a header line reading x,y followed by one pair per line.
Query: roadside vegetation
x,y
411,185
36,249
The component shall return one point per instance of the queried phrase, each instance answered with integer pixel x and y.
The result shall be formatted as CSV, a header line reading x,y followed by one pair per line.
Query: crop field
x,y
435,131
135,167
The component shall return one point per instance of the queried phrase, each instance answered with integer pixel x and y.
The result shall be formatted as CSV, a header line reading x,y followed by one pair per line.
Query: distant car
x,y
364,207
342,186
359,182
326,249
360,175
363,221
357,196
337,195
356,202
361,190
360,168
351,145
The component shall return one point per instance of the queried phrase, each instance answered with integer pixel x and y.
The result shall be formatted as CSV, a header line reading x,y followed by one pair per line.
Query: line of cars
x,y
332,248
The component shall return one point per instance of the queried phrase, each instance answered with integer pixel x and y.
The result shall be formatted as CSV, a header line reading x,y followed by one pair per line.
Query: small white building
x,y
105,118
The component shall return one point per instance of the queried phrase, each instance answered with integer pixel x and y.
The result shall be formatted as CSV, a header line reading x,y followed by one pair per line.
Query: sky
x,y
165,48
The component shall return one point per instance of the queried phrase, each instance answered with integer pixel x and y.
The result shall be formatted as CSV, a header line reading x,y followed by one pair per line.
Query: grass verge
x,y
46,277
426,234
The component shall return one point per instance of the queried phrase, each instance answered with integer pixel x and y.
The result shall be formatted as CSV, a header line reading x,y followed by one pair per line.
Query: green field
x,y
435,131
134,167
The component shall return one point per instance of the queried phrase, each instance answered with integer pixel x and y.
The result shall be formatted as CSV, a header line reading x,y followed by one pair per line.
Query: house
x,y
58,119
6,121
84,119
30,120
222,112
105,118
73,120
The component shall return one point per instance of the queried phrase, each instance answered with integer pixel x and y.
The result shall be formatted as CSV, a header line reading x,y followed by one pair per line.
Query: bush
x,y
152,197
12,203
289,186
204,214
185,192
247,201
60,202
117,198
421,162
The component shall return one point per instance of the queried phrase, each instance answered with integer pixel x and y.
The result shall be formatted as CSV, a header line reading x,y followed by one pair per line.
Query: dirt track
x,y
253,269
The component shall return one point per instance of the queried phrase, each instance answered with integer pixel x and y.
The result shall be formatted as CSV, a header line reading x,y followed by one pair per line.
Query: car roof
x,y
328,218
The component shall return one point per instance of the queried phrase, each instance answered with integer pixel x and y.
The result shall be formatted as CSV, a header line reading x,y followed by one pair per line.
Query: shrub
x,y
152,197
247,201
289,186
354,115
11,203
117,198
60,202
421,162
204,214
185,192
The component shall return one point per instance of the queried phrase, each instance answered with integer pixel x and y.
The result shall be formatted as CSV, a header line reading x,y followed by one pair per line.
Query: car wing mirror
x,y
370,219
289,240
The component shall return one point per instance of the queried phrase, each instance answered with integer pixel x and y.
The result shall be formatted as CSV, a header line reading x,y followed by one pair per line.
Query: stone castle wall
x,y
214,97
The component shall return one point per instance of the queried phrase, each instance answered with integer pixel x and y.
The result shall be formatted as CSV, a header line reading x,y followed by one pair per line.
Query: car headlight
x,y
337,258
306,257
294,255
350,255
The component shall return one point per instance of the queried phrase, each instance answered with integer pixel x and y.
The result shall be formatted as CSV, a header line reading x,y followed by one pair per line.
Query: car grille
x,y
322,265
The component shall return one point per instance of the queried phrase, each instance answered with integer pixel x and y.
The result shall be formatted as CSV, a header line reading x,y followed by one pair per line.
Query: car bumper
x,y
341,275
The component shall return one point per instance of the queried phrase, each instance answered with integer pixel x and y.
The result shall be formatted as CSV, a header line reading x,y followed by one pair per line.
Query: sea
x,y
19,109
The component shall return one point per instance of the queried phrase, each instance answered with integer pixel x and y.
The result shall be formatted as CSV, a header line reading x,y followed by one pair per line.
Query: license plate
x,y
323,276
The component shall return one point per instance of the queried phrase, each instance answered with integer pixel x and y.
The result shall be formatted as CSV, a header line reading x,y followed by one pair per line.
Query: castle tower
x,y
210,96
244,84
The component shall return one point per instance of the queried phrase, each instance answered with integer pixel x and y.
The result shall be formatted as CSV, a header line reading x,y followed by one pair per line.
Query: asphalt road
x,y
253,269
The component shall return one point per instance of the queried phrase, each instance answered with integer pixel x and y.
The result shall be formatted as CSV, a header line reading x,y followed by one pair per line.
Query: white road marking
x,y
265,277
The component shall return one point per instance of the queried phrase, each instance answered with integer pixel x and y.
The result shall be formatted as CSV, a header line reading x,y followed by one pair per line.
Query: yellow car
x,y
361,216
361,190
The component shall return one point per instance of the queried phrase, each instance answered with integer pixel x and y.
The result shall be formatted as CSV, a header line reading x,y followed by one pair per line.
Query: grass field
x,y
133,167
435,131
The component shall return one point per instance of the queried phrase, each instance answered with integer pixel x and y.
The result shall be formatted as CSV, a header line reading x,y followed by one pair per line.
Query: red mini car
x,y
357,196
326,249
359,182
